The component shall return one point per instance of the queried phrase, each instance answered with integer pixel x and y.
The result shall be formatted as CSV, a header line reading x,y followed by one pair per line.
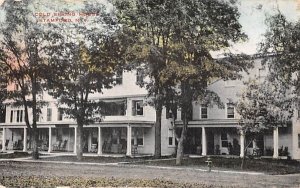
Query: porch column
x,y
204,145
242,142
89,140
75,139
50,140
275,140
25,140
129,129
3,140
99,141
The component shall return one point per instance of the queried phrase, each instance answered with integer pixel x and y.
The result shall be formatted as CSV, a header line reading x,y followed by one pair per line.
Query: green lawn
x,y
269,166
96,159
33,181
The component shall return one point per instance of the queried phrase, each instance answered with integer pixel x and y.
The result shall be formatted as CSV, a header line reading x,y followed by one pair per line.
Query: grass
x,y
96,159
40,181
269,166
16,154
99,159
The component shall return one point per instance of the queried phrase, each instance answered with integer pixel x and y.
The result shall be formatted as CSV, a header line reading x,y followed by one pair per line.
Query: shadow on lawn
x,y
16,154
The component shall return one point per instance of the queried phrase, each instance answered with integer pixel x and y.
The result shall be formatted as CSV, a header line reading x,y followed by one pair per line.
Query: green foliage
x,y
172,41
264,106
22,42
281,43
268,166
83,59
21,60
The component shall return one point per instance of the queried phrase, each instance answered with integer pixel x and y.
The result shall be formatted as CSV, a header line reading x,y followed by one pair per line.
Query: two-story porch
x,y
224,137
109,137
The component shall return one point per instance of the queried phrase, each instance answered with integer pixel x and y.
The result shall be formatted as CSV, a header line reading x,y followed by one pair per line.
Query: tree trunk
x,y
79,143
179,154
180,147
157,151
35,149
243,162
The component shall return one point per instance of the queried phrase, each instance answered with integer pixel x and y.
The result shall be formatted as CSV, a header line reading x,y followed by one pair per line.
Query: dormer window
x,y
203,111
230,110
49,114
59,114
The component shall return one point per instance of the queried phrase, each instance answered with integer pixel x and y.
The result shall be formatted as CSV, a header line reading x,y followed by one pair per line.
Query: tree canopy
x,y
281,47
173,41
264,106
83,59
22,43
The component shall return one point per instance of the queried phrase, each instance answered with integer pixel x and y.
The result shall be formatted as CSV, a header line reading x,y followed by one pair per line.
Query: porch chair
x,y
256,152
6,144
64,145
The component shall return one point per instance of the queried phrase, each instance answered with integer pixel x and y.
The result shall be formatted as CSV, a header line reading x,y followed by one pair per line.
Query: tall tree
x,y
3,87
148,26
190,83
264,106
281,48
22,43
84,58
173,41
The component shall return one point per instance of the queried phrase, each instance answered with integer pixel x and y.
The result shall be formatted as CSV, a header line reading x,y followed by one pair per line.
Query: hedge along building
x,y
128,124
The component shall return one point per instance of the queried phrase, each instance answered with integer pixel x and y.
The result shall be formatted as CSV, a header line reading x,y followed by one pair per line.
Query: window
x,y
49,114
230,110
171,137
2,114
37,117
114,108
138,137
169,113
298,140
11,115
224,140
119,77
137,108
204,112
59,114
19,115
139,76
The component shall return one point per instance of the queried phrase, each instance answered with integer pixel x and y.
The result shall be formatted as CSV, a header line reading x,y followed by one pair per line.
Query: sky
x,y
252,19
253,15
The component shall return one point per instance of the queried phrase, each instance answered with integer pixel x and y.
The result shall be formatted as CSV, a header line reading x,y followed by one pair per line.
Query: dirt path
x,y
142,172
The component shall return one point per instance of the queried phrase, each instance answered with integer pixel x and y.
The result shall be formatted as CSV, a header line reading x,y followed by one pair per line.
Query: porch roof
x,y
133,123
212,123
